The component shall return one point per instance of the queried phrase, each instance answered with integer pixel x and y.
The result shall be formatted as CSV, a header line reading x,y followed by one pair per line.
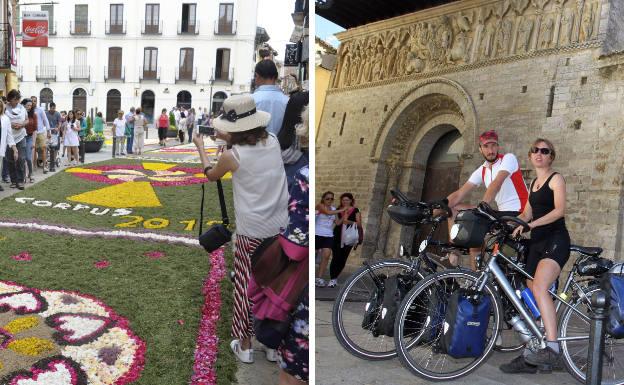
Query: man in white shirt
x,y
17,114
503,181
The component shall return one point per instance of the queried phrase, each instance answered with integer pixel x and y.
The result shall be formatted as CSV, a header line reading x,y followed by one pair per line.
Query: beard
x,y
491,158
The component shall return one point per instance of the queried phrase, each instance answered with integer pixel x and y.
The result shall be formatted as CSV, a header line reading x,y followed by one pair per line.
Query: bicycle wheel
x,y
349,309
418,348
571,324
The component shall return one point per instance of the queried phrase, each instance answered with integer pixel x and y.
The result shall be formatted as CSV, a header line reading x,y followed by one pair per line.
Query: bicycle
x,y
428,360
367,284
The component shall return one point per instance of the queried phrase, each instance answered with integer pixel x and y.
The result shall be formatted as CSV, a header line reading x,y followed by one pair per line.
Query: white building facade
x,y
111,55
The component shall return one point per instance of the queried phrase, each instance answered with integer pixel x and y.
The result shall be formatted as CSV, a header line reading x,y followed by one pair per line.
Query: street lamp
x,y
211,83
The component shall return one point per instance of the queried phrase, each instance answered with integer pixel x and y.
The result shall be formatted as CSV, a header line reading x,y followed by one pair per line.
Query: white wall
x,y
205,46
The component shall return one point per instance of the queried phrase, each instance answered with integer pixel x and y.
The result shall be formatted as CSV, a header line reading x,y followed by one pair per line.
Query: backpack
x,y
466,324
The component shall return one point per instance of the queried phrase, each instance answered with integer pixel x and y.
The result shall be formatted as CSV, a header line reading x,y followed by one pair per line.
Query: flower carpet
x,y
91,294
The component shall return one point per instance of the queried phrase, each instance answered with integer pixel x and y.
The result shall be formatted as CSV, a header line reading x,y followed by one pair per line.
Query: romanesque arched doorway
x,y
113,104
184,99
148,100
79,99
431,124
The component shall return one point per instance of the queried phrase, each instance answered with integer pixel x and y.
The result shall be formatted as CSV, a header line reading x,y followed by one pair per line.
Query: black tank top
x,y
542,202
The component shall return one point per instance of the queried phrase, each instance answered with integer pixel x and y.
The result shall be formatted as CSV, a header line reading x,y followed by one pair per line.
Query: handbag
x,y
217,235
350,233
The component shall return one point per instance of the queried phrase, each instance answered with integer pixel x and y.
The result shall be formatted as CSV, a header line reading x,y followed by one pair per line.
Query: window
x,y
188,18
150,61
46,64
51,26
226,12
152,18
222,68
82,18
186,64
80,69
114,63
116,18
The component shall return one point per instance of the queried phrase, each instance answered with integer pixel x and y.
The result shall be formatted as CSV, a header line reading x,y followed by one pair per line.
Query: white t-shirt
x,y
513,193
325,223
120,127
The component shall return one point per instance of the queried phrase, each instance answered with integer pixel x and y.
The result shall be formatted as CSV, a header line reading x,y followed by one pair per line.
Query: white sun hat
x,y
240,114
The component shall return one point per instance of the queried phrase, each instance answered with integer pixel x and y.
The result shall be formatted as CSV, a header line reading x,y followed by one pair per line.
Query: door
x,y
147,105
114,63
222,67
184,99
150,62
188,18
186,64
441,178
81,67
116,18
79,100
113,104
81,25
226,14
46,63
152,18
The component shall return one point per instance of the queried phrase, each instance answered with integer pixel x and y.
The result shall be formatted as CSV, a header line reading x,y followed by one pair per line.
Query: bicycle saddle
x,y
590,251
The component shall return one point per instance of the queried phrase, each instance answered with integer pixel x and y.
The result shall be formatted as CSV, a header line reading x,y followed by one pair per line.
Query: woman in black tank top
x,y
549,250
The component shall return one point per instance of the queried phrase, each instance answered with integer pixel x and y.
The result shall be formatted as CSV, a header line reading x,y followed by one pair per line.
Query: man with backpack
x,y
502,178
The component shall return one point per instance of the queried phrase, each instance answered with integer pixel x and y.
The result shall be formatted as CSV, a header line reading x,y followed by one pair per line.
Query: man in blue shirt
x,y
269,97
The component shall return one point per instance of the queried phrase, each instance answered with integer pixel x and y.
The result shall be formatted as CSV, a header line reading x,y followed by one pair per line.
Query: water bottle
x,y
518,325
529,300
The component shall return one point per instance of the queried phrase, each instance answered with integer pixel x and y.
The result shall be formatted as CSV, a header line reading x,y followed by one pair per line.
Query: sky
x,y
325,29
275,17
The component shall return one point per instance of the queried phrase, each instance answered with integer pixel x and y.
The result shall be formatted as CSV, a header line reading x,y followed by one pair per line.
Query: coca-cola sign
x,y
35,29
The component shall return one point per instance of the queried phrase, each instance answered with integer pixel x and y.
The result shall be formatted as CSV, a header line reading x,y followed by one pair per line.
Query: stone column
x,y
394,173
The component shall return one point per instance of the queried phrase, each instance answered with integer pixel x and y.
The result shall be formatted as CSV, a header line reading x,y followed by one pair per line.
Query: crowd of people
x,y
266,138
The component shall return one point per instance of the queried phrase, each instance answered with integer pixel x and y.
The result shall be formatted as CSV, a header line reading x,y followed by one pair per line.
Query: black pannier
x,y
407,214
470,228
594,267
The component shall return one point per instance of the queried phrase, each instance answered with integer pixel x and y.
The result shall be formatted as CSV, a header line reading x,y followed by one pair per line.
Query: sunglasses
x,y
329,199
544,151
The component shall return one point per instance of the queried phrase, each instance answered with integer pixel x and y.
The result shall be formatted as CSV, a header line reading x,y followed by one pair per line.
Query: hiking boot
x,y
332,283
518,365
19,186
545,359
557,366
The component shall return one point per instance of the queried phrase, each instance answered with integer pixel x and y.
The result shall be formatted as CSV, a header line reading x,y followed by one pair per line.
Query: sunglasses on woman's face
x,y
543,150
329,199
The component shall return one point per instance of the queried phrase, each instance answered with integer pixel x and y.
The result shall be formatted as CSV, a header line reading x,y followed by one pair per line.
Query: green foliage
x,y
171,119
94,136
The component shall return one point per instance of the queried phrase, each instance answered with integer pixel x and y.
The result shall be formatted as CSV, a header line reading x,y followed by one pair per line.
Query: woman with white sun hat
x,y
260,199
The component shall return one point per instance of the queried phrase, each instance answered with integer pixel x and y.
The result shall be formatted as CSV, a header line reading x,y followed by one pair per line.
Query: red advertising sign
x,y
35,29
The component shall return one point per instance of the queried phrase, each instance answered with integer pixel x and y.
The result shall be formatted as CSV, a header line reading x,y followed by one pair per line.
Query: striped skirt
x,y
242,319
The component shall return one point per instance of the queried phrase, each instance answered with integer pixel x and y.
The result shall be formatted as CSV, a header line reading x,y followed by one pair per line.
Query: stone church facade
x,y
411,94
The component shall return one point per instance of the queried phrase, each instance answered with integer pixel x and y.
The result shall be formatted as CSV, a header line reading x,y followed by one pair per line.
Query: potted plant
x,y
93,141
172,132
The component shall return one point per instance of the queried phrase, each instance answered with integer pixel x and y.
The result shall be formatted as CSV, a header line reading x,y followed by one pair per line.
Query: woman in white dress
x,y
71,138
119,130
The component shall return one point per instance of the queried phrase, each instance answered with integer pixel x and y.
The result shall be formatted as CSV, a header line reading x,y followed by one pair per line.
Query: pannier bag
x,y
372,309
613,284
466,324
469,229
395,289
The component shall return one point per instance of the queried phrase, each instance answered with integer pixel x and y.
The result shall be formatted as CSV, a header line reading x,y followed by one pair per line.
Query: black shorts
x,y
323,242
555,246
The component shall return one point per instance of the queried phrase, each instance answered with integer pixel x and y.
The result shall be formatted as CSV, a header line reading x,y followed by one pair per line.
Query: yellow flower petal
x,y
20,324
31,346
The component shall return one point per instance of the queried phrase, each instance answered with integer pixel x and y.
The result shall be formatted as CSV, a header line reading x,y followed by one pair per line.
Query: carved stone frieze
x,y
493,31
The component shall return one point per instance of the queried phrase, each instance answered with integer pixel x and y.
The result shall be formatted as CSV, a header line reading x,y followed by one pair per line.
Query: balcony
x,y
115,73
223,76
45,73
5,45
79,73
186,75
82,27
115,28
151,29
20,73
149,75
190,27
225,28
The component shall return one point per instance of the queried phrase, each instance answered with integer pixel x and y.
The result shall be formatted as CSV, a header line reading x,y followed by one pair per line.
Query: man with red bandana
x,y
501,176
